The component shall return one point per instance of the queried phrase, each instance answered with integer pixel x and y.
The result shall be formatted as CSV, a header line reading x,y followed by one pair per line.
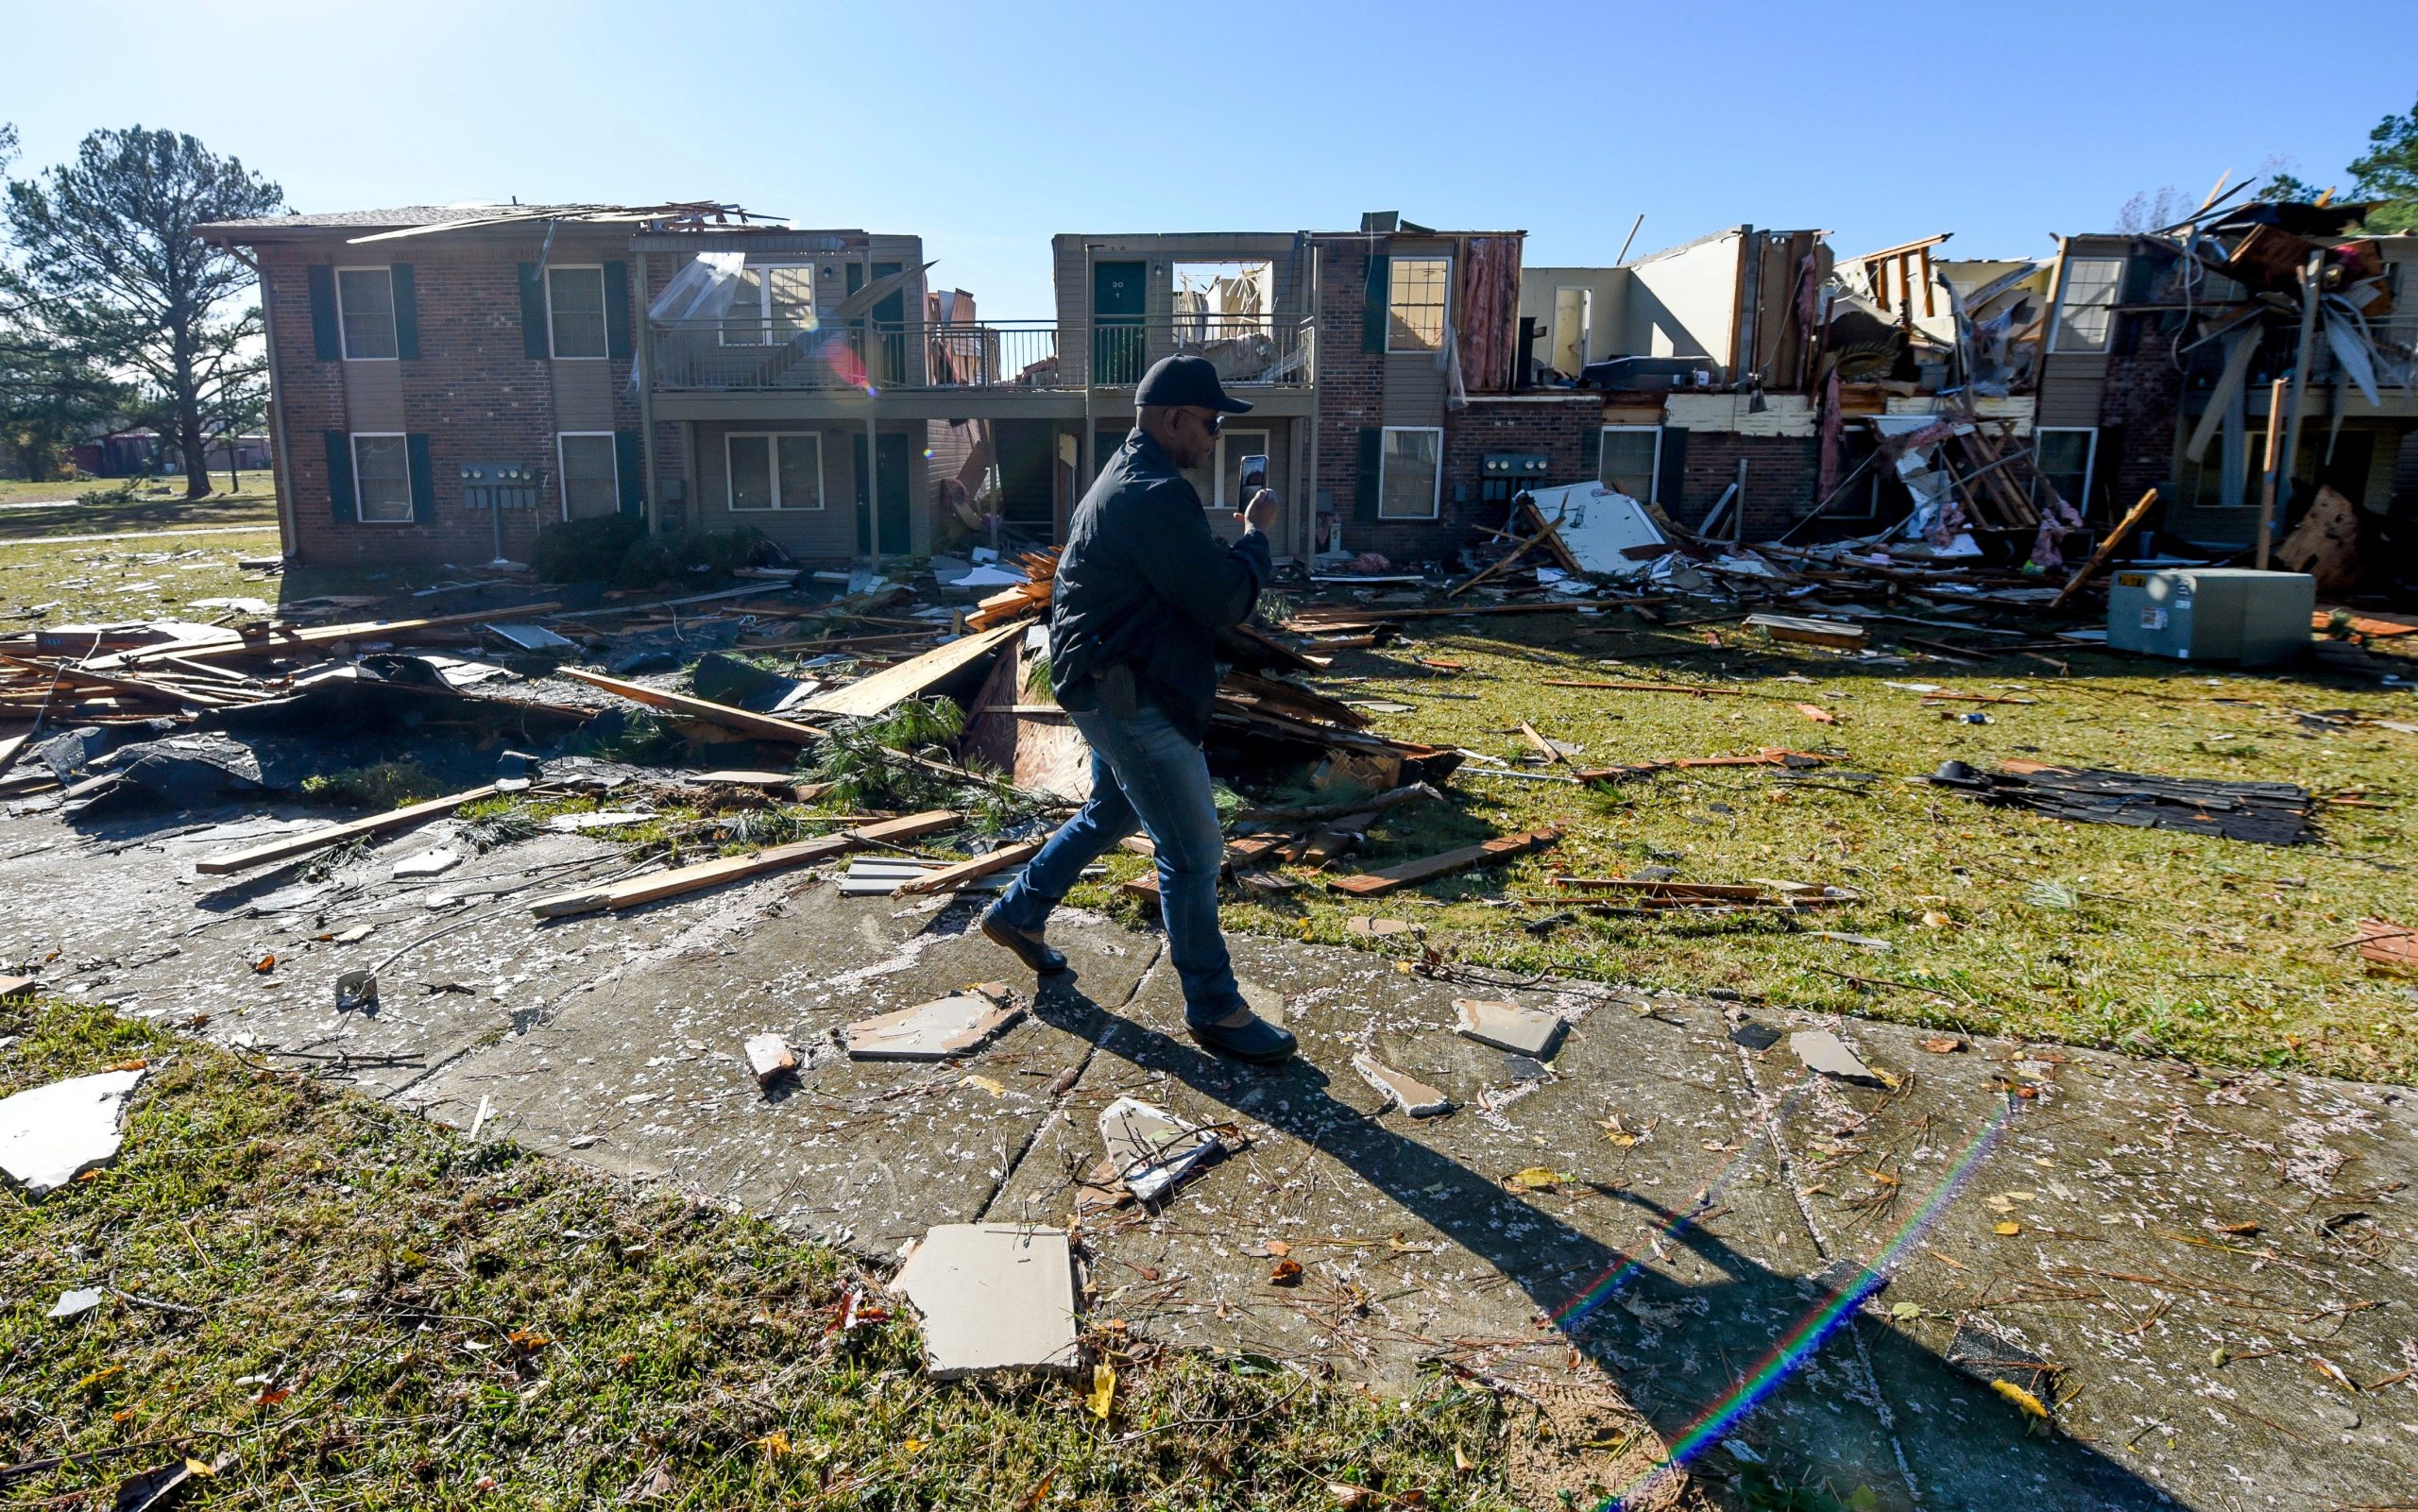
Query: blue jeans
x,y
1145,774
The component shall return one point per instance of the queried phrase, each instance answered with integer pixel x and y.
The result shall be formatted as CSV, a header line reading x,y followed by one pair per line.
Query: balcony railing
x,y
753,354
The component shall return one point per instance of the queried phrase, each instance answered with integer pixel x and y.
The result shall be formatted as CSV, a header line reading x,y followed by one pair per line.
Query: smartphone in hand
x,y
1255,477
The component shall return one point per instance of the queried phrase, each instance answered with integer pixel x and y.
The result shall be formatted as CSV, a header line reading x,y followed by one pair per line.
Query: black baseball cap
x,y
1188,381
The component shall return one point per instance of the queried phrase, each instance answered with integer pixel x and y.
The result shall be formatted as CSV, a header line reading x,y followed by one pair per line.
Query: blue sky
x,y
987,127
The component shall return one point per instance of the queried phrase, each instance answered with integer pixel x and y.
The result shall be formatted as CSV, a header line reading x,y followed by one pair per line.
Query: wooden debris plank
x,y
762,726
2106,548
281,637
1667,887
286,845
877,693
1641,687
1409,874
949,878
1551,751
683,879
1800,631
1308,618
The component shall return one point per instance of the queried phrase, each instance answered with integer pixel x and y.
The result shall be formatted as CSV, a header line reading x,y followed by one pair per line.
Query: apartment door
x,y
884,346
1118,300
898,532
1573,312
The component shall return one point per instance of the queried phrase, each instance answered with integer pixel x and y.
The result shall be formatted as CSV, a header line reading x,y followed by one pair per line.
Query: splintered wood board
x,y
1409,874
873,695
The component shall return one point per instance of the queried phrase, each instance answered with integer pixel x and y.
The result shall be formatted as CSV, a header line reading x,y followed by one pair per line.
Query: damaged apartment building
x,y
449,380
678,363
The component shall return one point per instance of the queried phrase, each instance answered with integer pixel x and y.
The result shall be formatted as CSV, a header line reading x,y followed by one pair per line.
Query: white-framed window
x,y
2062,457
382,476
1418,299
2086,303
575,309
589,466
774,469
1411,472
773,304
366,313
1632,460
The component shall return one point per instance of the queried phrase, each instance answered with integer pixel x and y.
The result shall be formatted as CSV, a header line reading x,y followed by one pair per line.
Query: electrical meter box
x,y
2212,614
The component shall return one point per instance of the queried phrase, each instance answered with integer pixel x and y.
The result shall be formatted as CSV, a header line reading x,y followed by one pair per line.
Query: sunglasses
x,y
1214,424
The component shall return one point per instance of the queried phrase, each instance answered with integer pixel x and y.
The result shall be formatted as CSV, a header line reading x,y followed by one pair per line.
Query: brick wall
x,y
1352,382
1782,472
472,391
2139,410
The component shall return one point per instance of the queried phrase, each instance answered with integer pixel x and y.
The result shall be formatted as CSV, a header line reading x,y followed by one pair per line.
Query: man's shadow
x,y
1693,1390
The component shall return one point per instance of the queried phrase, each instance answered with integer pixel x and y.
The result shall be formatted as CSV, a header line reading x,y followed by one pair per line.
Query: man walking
x,y
1141,591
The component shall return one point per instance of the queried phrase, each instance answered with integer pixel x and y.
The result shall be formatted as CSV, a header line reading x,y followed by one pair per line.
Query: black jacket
x,y
1144,584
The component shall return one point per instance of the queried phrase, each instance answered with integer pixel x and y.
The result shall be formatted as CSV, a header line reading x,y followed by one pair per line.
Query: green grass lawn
x,y
31,509
364,1311
104,582
2222,952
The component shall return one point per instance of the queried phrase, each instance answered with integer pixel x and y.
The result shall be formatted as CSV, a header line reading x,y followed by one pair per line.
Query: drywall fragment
x,y
1409,1094
770,1058
993,1296
1507,1025
52,1135
948,1026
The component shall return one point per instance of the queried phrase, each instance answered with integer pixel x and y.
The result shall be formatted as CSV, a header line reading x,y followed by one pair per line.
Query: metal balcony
x,y
755,355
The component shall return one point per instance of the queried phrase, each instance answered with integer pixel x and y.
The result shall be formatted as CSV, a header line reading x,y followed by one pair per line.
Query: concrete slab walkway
x,y
2205,1280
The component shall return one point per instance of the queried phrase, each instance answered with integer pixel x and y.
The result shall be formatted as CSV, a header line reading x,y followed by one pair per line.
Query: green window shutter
x,y
616,311
1379,295
533,314
325,339
340,493
1668,478
1372,462
627,461
1590,452
423,478
407,311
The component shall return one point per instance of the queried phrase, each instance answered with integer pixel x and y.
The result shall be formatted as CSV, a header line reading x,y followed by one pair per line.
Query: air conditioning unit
x,y
2231,614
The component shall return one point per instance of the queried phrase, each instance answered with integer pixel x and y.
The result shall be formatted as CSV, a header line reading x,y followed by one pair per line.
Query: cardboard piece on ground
x,y
1824,1051
1508,1026
769,1057
1150,1149
937,1031
1364,928
15,988
993,1296
52,1135
1409,1094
